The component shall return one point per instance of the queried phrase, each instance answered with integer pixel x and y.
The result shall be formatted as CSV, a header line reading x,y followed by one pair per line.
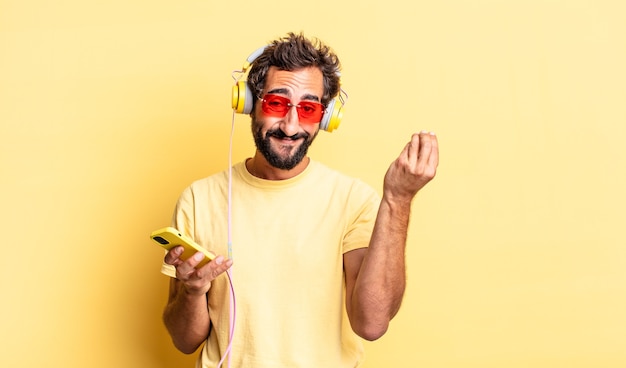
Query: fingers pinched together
x,y
414,168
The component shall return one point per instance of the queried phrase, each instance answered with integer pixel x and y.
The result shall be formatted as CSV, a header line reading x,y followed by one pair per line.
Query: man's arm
x,y
375,276
186,315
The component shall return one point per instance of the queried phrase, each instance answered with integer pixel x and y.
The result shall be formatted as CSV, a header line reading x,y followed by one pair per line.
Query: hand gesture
x,y
196,281
413,169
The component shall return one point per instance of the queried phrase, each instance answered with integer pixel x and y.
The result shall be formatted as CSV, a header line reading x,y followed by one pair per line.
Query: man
x,y
318,258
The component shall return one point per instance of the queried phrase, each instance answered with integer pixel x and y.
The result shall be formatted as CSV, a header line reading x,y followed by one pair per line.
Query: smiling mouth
x,y
286,139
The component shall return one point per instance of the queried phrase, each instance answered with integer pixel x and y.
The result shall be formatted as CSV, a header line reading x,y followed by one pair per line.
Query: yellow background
x,y
516,255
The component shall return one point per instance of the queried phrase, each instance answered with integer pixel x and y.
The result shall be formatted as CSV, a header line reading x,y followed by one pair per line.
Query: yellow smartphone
x,y
169,237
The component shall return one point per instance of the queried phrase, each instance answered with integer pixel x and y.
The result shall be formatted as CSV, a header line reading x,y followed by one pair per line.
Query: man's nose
x,y
291,123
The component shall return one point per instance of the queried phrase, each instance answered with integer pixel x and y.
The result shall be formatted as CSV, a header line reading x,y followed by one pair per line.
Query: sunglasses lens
x,y
310,112
278,106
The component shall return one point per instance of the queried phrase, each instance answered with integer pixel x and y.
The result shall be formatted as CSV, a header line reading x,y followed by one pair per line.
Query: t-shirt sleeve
x,y
359,231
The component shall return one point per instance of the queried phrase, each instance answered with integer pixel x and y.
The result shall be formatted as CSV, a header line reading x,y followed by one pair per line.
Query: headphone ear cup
x,y
242,99
332,116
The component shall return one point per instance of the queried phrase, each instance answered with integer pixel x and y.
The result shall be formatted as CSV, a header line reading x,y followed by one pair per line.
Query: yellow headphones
x,y
242,98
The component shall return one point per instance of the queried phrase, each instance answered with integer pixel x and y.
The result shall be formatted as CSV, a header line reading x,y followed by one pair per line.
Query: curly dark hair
x,y
294,52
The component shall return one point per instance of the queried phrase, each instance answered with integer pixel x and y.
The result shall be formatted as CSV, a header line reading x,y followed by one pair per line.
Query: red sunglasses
x,y
278,107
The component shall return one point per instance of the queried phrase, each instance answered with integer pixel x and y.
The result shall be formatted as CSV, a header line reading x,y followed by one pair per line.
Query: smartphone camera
x,y
161,240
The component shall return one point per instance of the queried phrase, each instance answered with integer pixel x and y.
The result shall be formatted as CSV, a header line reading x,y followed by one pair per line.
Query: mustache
x,y
277,133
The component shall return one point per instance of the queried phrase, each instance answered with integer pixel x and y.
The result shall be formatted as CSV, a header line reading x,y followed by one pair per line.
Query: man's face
x,y
284,141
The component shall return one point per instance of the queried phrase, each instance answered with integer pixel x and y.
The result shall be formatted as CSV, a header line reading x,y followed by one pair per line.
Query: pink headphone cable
x,y
233,304
232,322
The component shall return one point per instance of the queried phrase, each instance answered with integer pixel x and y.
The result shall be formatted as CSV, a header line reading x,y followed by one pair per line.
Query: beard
x,y
276,159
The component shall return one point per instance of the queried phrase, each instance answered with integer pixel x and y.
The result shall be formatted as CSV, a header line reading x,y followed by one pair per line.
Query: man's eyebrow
x,y
285,91
282,91
309,97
